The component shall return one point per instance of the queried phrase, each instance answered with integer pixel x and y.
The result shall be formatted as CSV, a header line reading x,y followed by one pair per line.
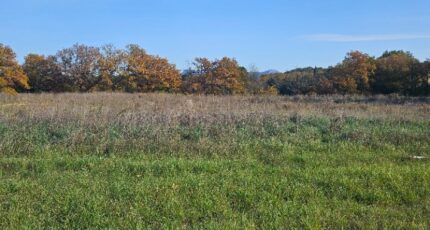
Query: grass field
x,y
139,161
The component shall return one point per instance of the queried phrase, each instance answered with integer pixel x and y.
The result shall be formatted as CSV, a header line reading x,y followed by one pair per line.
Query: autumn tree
x,y
360,67
79,66
227,78
12,77
394,72
44,73
354,73
223,76
147,73
194,81
342,83
111,66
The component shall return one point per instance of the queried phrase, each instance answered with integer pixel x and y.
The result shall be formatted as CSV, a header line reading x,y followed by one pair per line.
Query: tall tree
x,y
223,76
12,77
227,77
147,73
111,67
79,65
419,81
44,73
394,73
361,67
354,73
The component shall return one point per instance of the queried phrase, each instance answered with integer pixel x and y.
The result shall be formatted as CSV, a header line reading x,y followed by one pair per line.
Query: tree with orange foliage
x,y
111,65
12,77
361,67
223,77
147,73
354,73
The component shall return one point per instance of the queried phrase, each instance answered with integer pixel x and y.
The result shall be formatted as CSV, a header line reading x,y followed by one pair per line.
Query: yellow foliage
x,y
12,77
216,77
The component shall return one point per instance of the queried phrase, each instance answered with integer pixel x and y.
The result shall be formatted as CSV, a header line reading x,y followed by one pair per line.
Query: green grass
x,y
299,172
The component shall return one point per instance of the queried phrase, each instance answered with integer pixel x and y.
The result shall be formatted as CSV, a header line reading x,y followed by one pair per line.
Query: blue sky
x,y
270,34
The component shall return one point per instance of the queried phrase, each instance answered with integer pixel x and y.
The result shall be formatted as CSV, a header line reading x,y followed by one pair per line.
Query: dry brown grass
x,y
168,109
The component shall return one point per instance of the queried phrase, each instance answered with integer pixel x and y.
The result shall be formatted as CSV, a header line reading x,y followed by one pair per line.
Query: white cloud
x,y
364,38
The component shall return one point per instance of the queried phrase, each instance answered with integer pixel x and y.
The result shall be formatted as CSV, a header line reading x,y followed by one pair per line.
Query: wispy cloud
x,y
364,38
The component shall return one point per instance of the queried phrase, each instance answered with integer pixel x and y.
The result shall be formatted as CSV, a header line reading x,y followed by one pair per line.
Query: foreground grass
x,y
283,171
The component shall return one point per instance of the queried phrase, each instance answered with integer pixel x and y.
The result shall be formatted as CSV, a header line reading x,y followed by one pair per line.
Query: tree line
x,y
396,72
82,68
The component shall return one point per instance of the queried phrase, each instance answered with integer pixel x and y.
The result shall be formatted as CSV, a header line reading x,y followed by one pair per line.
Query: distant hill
x,y
270,71
267,72
259,74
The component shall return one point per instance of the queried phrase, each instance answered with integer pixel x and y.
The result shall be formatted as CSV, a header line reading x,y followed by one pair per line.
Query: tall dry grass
x,y
168,109
105,123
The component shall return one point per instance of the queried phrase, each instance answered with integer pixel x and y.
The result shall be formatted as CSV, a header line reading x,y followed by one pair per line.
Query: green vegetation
x,y
164,161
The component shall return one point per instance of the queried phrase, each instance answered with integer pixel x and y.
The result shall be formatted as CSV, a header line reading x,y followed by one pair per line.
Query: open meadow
x,y
139,161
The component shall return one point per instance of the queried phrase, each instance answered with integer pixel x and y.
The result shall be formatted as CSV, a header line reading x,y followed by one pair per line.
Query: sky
x,y
269,34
